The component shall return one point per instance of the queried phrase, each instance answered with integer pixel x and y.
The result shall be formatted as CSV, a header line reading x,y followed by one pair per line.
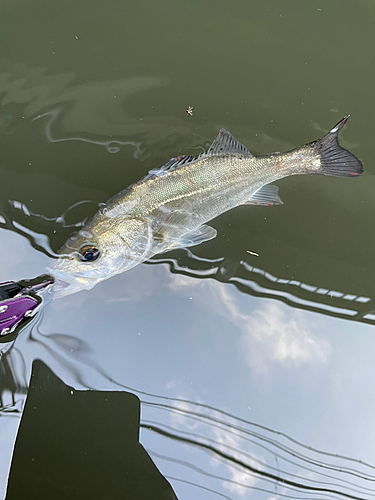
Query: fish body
x,y
169,208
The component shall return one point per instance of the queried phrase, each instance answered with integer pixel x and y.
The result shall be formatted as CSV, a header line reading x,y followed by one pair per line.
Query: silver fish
x,y
169,207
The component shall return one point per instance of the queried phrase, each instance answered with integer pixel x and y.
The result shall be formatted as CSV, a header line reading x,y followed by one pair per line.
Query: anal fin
x,y
267,195
203,233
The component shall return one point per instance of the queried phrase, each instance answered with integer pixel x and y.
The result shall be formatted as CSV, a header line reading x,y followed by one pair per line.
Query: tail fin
x,y
335,160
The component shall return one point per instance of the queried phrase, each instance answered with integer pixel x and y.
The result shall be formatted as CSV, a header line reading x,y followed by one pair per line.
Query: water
x,y
92,97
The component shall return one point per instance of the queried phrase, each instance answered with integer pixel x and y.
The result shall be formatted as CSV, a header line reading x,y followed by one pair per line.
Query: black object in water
x,y
81,444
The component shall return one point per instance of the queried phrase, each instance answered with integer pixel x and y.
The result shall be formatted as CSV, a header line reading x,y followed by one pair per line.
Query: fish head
x,y
104,247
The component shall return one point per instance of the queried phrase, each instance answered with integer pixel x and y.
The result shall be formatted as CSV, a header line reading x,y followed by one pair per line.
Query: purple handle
x,y
12,311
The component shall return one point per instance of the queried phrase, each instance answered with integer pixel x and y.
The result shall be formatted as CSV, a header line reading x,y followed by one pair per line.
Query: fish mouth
x,y
60,288
65,286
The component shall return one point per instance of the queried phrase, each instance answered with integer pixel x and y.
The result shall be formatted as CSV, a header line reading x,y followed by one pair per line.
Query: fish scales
x,y
206,177
212,185
170,206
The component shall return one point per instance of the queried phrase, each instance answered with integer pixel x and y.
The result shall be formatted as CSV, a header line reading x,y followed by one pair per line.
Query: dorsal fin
x,y
172,164
226,143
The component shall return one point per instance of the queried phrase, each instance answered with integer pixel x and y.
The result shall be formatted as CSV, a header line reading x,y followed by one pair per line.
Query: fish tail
x,y
335,160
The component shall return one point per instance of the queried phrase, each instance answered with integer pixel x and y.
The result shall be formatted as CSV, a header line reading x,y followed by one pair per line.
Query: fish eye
x,y
88,253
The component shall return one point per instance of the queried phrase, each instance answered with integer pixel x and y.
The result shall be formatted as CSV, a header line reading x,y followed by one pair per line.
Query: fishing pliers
x,y
19,302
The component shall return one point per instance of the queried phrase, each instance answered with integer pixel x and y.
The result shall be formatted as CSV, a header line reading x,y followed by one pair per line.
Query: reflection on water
x,y
87,423
269,332
258,282
88,103
248,456
112,145
47,233
224,348
13,381
203,446
92,112
197,445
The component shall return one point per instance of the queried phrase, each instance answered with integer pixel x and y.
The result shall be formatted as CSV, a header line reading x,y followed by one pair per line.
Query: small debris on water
x,y
189,111
253,253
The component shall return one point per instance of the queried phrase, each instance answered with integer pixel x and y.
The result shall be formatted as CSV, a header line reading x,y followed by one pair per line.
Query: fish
x,y
169,208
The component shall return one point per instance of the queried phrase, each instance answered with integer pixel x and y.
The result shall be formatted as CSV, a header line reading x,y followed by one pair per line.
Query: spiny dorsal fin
x,y
226,143
172,164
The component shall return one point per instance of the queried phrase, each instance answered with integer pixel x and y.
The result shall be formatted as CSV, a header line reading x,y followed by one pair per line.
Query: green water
x,y
92,96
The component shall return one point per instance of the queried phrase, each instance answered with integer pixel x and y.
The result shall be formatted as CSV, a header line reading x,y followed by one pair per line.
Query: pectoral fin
x,y
203,233
266,196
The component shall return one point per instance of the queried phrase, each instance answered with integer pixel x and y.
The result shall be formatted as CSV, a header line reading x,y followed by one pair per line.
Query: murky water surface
x,y
255,373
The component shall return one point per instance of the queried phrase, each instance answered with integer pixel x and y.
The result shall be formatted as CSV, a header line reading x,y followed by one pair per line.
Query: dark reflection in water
x,y
46,234
235,459
13,381
86,431
258,282
232,455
